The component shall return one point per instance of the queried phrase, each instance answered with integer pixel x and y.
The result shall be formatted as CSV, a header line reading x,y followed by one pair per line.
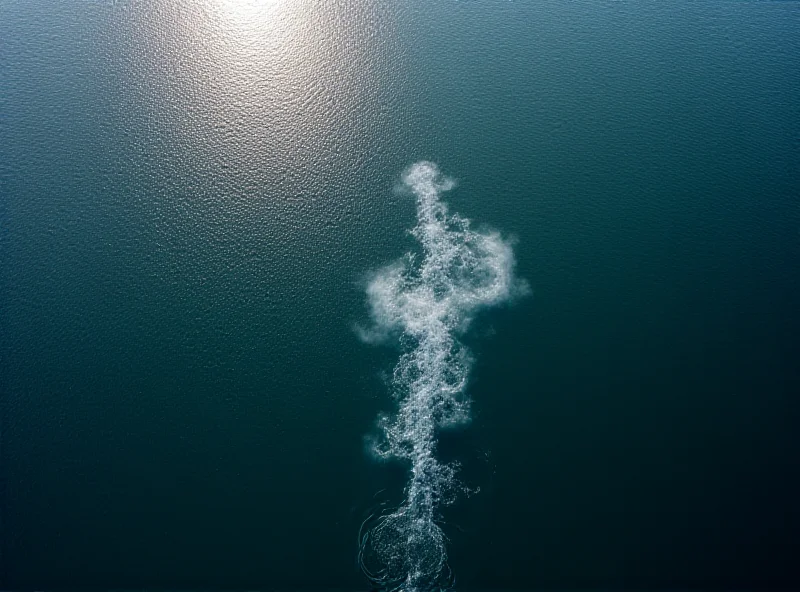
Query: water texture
x,y
189,188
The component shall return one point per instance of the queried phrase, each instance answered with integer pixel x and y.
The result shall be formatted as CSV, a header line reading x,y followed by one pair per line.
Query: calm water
x,y
192,194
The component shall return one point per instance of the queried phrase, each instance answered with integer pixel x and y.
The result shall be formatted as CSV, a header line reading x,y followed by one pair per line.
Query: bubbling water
x,y
426,302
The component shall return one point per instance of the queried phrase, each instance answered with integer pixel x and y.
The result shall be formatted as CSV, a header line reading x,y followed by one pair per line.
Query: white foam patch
x,y
427,302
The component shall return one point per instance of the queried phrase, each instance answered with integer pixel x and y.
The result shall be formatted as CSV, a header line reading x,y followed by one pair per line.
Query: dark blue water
x,y
193,195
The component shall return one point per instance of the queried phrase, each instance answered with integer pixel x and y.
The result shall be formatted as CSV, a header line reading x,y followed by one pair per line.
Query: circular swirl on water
x,y
398,552
427,302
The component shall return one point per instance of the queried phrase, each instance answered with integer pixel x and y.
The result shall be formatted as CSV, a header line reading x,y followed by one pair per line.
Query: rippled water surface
x,y
212,374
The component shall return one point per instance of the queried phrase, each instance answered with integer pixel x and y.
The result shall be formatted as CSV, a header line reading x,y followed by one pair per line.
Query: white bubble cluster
x,y
427,301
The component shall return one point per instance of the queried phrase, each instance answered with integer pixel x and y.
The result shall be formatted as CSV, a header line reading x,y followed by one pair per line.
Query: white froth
x,y
429,301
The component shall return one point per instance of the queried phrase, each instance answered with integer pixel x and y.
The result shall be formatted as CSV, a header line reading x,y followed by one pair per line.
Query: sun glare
x,y
249,13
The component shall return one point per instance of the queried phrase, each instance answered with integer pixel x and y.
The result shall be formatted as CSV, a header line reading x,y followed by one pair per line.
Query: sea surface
x,y
196,194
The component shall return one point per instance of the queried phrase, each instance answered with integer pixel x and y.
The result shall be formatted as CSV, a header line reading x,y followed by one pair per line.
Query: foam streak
x,y
427,302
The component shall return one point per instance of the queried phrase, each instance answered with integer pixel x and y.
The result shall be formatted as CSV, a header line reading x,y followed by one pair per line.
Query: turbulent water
x,y
426,301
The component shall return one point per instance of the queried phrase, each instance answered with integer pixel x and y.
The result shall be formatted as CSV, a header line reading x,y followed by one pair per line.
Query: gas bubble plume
x,y
425,302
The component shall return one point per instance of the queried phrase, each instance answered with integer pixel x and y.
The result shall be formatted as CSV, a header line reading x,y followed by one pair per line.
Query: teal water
x,y
193,196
